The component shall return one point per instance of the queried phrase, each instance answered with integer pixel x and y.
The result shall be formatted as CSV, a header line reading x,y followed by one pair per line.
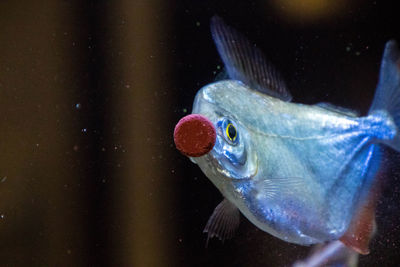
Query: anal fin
x,y
223,222
363,226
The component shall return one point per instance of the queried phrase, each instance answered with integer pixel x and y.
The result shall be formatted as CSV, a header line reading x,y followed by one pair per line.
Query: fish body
x,y
303,173
299,169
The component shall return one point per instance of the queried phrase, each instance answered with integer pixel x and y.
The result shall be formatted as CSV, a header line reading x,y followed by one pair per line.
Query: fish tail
x,y
387,95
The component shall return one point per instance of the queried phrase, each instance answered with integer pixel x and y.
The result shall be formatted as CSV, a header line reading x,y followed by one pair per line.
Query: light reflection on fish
x,y
298,172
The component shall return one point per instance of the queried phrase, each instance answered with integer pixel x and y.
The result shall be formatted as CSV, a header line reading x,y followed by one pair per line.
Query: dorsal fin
x,y
245,62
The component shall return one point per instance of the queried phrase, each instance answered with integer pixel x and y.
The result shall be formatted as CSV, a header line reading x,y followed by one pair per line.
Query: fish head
x,y
232,157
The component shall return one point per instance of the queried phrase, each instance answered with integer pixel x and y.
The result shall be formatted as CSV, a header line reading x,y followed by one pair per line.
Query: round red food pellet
x,y
194,135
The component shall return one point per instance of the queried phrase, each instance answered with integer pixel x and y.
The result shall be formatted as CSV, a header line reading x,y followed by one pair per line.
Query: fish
x,y
306,174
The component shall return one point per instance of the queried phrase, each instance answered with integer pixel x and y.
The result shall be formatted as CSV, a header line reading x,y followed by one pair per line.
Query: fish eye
x,y
231,132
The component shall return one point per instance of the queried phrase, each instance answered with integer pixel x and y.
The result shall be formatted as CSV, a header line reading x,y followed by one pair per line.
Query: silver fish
x,y
298,172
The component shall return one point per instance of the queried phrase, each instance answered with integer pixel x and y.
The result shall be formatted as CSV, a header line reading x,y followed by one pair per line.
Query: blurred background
x,y
90,92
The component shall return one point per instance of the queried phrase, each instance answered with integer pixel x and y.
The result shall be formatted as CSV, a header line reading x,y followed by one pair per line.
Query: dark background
x,y
90,92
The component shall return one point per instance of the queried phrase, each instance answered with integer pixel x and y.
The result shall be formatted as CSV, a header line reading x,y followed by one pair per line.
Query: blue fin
x,y
387,95
223,222
245,62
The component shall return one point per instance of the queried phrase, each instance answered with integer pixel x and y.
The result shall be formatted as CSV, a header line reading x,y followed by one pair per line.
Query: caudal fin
x,y
387,95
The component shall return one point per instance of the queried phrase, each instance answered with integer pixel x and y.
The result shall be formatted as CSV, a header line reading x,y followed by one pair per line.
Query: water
x,y
90,92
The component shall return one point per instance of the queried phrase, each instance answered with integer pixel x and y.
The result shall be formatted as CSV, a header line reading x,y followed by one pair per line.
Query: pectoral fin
x,y
223,222
277,187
